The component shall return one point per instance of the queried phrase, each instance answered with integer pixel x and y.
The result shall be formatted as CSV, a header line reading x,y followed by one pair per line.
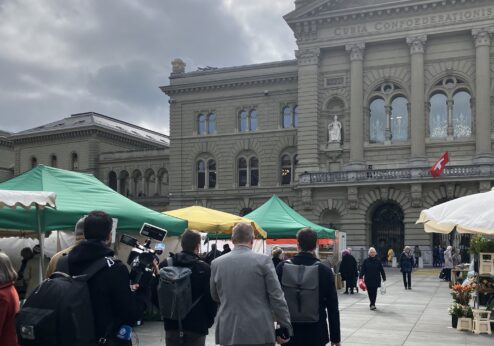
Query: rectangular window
x,y
201,180
254,177
242,177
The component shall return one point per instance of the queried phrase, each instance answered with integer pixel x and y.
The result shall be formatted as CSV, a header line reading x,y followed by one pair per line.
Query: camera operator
x,y
113,301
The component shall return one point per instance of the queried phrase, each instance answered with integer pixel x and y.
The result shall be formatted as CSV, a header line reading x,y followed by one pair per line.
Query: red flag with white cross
x,y
438,167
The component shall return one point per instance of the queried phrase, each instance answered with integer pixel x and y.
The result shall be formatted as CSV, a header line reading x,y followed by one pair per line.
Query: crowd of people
x,y
291,302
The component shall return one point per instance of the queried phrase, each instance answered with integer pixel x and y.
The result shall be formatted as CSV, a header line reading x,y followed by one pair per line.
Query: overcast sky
x,y
60,57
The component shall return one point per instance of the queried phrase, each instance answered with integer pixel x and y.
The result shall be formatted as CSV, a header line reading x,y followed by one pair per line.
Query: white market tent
x,y
471,214
28,199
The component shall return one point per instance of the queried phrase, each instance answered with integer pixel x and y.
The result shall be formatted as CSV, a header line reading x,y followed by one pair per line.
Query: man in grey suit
x,y
245,285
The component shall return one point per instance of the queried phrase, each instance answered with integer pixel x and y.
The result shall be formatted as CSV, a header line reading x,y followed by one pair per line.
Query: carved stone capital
x,y
352,197
482,36
308,56
417,44
356,51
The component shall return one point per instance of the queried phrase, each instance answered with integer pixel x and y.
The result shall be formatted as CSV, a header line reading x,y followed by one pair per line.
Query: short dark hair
x,y
190,240
97,225
307,239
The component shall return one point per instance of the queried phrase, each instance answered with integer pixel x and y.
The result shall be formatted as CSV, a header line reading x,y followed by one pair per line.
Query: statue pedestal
x,y
332,150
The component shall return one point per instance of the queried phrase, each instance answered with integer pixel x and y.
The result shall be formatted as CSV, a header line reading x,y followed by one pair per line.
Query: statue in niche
x,y
334,131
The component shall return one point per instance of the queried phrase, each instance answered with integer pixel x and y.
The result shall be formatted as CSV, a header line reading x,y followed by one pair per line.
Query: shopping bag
x,y
383,288
362,285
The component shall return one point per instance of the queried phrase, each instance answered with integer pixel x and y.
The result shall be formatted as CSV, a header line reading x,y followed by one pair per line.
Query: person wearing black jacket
x,y
372,270
212,255
200,318
114,301
349,271
315,334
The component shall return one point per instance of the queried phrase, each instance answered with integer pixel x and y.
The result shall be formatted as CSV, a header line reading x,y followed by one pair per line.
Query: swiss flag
x,y
438,167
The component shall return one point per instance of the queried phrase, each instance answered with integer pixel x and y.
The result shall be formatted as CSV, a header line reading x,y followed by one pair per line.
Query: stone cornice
x,y
230,84
82,132
6,143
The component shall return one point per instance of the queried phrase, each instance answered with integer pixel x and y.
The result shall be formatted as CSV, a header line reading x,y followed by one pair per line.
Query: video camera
x,y
141,256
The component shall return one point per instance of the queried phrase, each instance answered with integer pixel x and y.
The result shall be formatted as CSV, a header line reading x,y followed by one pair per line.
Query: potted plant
x,y
462,293
456,311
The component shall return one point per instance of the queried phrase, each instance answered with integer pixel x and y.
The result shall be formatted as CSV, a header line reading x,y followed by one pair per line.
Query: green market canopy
x,y
77,195
281,221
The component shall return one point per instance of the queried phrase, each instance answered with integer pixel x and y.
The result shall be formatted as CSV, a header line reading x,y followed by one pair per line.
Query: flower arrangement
x,y
463,293
459,310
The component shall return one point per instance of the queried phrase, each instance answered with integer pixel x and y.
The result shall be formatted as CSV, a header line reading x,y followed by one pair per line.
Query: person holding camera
x,y
200,318
114,302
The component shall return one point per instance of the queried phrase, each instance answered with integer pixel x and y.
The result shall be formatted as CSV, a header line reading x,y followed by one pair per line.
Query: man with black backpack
x,y
88,300
311,295
184,294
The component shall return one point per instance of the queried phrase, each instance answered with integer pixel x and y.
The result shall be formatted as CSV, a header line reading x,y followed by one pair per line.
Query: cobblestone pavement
x,y
416,317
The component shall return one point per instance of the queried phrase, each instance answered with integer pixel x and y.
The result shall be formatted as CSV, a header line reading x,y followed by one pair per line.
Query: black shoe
x,y
409,288
406,288
346,292
373,307
351,292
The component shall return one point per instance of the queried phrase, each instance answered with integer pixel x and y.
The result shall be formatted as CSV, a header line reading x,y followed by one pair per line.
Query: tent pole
x,y
41,243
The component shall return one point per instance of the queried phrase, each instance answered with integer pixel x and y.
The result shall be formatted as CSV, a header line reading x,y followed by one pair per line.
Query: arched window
x,y
34,161
211,123
450,111
75,162
201,174
286,170
254,171
462,114
150,187
53,160
253,120
112,180
399,119
211,174
243,124
162,183
438,116
377,121
137,189
201,124
295,116
242,172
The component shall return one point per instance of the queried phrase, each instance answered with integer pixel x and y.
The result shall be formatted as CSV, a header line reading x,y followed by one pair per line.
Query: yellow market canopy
x,y
212,221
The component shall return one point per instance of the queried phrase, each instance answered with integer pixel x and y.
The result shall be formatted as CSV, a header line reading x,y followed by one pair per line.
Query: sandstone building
x,y
407,80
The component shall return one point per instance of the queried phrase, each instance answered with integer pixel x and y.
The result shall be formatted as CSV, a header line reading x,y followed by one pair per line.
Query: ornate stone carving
x,y
482,36
417,44
308,56
352,197
178,66
356,51
484,186
307,199
416,194
334,131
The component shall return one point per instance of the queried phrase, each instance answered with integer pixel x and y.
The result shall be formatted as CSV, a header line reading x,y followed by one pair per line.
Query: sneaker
x,y
409,288
373,307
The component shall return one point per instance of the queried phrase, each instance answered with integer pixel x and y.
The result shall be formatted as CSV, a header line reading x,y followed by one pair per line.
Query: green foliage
x,y
480,244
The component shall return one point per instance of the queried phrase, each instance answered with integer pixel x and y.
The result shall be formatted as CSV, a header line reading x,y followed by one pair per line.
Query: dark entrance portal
x,y
388,229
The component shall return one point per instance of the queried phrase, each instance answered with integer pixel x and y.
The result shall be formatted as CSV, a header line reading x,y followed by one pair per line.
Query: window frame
x,y
210,179
293,157
293,115
248,119
248,170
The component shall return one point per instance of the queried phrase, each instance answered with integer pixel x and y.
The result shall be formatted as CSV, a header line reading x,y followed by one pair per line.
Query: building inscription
x,y
411,23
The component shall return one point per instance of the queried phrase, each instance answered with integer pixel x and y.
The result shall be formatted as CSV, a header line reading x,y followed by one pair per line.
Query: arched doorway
x,y
387,229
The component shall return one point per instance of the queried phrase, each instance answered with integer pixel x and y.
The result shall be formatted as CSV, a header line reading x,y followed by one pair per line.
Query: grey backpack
x,y
175,292
301,287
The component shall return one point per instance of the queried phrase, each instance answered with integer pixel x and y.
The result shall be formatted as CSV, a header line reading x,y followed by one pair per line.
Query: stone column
x,y
482,39
356,52
387,130
450,130
307,133
417,114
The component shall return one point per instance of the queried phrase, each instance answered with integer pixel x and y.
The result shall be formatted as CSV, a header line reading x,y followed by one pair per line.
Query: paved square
x,y
403,317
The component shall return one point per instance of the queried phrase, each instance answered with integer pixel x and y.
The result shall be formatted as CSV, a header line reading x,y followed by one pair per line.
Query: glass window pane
x,y
211,173
377,121
254,177
243,121
286,160
295,116
212,123
201,124
286,175
254,162
242,177
253,120
399,119
462,115
201,174
242,163
438,117
287,117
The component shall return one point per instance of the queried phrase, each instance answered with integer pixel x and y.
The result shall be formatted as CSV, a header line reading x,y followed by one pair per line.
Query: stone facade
x,y
408,80
132,160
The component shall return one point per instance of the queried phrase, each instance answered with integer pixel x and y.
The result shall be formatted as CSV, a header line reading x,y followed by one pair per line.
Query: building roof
x,y
92,119
4,133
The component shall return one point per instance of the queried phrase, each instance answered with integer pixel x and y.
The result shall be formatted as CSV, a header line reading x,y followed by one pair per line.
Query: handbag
x,y
383,288
362,285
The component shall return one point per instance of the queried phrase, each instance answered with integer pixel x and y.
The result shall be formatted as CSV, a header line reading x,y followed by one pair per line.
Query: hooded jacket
x,y
201,317
112,300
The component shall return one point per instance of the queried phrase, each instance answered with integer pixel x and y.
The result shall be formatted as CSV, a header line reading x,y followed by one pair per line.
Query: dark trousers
x,y
372,292
190,339
447,271
409,276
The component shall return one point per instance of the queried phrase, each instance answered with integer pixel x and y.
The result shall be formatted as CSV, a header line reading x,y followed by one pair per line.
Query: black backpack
x,y
300,284
59,311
